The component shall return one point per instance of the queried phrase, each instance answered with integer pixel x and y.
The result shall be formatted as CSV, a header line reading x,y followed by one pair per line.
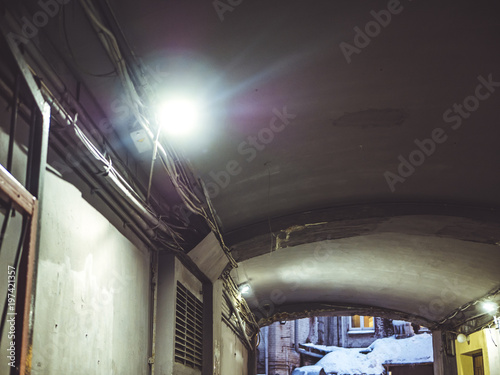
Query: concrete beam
x,y
444,354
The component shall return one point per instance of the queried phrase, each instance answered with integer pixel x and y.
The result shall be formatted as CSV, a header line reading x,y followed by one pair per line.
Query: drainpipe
x,y
299,350
266,351
154,285
338,330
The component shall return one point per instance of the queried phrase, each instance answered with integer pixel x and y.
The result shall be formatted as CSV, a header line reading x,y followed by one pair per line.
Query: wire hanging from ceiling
x,y
168,155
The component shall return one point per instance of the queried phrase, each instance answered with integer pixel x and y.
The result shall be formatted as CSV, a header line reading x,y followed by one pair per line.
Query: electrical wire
x,y
118,180
49,96
466,306
269,206
153,159
231,287
169,157
489,327
72,54
242,316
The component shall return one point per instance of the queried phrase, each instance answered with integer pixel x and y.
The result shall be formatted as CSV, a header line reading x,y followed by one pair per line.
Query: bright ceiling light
x,y
179,117
490,307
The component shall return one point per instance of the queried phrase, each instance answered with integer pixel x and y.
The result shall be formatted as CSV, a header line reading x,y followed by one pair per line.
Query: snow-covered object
x,y
415,349
308,370
402,329
344,361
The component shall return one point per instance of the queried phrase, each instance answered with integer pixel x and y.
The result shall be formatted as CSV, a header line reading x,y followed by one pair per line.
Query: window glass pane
x,y
356,321
368,322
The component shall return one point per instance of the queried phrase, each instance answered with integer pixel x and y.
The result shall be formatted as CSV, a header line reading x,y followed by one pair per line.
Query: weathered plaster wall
x,y
234,355
93,291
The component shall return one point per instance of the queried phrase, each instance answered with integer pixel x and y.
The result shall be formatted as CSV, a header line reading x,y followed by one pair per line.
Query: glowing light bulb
x,y
179,117
245,289
490,307
461,338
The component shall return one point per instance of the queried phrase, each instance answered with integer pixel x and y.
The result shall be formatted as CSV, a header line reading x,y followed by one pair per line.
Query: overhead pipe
x,y
154,308
115,181
139,227
61,91
266,350
113,48
299,350
83,115
142,227
51,77
113,201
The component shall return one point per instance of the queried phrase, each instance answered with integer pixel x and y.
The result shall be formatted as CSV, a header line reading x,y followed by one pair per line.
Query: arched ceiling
x,y
423,268
309,135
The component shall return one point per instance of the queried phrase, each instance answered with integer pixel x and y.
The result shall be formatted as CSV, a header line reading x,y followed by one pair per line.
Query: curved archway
x,y
429,264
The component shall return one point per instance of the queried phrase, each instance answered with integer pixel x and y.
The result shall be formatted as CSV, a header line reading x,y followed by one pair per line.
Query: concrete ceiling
x,y
320,212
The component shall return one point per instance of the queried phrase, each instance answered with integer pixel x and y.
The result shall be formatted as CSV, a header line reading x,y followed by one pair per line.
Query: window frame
x,y
361,329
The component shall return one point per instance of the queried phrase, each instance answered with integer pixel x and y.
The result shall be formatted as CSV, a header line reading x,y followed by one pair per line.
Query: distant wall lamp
x,y
461,338
490,307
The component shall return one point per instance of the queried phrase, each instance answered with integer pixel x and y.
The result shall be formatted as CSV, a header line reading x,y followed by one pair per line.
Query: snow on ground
x,y
347,361
415,349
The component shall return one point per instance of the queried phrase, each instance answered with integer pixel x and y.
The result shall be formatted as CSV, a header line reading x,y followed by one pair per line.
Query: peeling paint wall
x,y
93,294
234,355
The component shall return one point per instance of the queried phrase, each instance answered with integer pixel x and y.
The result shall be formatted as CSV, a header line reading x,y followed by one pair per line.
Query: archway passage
x,y
434,269
348,158
345,345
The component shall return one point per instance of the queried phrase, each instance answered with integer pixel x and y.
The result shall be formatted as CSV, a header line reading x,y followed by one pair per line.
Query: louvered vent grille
x,y
188,328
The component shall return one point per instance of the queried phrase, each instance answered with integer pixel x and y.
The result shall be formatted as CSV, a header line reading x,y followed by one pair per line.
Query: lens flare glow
x,y
179,117
245,289
490,307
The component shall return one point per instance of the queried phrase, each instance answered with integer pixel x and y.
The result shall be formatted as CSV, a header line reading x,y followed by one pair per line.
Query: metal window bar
x,y
22,201
23,198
